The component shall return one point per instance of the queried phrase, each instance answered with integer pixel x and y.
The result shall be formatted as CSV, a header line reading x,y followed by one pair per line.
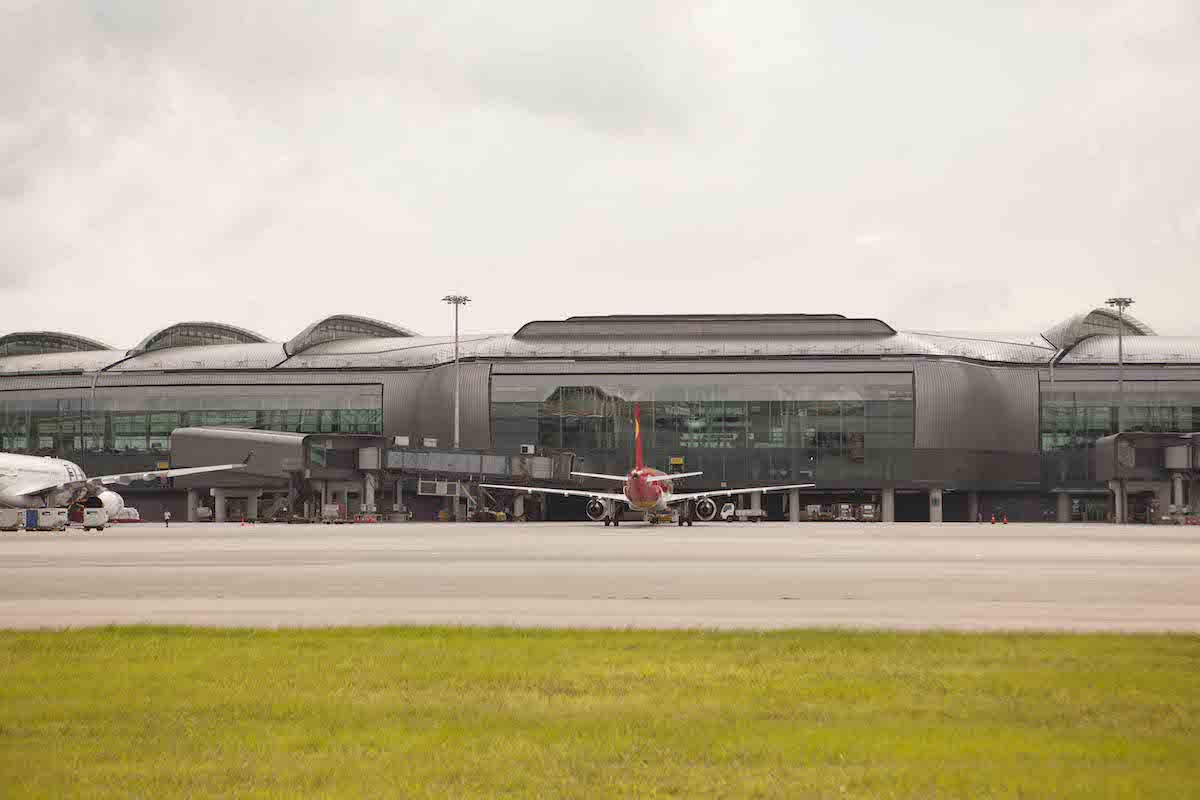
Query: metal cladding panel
x,y
37,383
714,326
1183,350
698,367
436,412
41,363
256,356
389,353
401,403
264,378
830,347
968,407
274,455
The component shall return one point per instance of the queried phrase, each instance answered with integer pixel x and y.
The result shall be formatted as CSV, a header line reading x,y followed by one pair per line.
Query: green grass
x,y
459,712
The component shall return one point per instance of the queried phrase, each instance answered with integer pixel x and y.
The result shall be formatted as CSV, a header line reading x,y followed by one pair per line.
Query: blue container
x,y
31,515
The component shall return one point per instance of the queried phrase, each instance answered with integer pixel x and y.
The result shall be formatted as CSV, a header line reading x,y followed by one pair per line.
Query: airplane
x,y
644,489
44,481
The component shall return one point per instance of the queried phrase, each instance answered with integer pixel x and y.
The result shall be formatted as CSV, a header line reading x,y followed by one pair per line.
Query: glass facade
x,y
775,428
1075,414
132,421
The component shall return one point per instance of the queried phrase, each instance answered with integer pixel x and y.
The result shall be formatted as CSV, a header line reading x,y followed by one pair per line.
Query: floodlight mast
x,y
1120,303
456,300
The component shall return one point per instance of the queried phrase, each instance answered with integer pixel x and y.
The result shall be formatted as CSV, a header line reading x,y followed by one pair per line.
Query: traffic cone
x,y
1006,519
993,517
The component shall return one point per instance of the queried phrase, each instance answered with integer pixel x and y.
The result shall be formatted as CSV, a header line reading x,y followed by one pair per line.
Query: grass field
x,y
459,712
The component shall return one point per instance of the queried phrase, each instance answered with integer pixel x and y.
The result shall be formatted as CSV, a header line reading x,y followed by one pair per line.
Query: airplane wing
x,y
675,498
37,487
564,492
127,478
620,478
661,478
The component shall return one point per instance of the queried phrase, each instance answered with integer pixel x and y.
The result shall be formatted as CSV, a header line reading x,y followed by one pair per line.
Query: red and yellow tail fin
x,y
637,435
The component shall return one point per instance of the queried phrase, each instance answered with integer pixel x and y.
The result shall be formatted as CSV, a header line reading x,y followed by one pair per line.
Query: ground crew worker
x,y
167,518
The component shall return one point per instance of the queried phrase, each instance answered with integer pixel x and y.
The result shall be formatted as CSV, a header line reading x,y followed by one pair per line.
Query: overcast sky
x,y
951,166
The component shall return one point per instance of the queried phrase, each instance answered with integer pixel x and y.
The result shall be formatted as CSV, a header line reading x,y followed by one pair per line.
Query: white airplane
x,y
43,481
645,489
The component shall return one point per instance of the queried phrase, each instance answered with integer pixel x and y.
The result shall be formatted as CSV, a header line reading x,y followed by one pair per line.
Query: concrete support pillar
x,y
252,504
218,504
308,509
888,501
1177,491
519,505
935,504
399,495
193,503
794,505
1063,509
972,506
1119,501
756,501
369,493
1163,494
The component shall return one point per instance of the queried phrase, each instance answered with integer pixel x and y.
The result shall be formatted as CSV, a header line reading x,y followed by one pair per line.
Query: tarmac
x,y
771,575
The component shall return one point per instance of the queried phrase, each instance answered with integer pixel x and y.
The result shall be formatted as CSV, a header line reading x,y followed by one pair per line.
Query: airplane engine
x,y
706,509
596,509
111,502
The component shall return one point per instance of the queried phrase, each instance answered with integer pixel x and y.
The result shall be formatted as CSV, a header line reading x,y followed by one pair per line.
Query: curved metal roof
x,y
187,334
343,326
251,355
1097,322
20,343
394,352
43,363
1138,350
348,342
431,351
706,326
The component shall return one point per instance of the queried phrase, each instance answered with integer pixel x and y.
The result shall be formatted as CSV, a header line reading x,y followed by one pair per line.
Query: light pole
x,y
1121,303
456,300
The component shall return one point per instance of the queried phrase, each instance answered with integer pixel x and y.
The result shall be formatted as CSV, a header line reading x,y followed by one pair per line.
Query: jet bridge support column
x,y
756,501
935,504
972,506
369,493
252,504
218,496
193,503
793,505
888,501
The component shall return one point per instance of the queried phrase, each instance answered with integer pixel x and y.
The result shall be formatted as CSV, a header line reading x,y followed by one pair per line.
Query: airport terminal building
x,y
951,425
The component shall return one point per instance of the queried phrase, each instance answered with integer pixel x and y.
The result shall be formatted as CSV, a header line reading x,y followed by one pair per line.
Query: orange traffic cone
x,y
1006,519
993,517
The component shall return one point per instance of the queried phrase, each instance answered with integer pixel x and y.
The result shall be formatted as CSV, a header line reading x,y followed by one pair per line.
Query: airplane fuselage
x,y
16,470
644,495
